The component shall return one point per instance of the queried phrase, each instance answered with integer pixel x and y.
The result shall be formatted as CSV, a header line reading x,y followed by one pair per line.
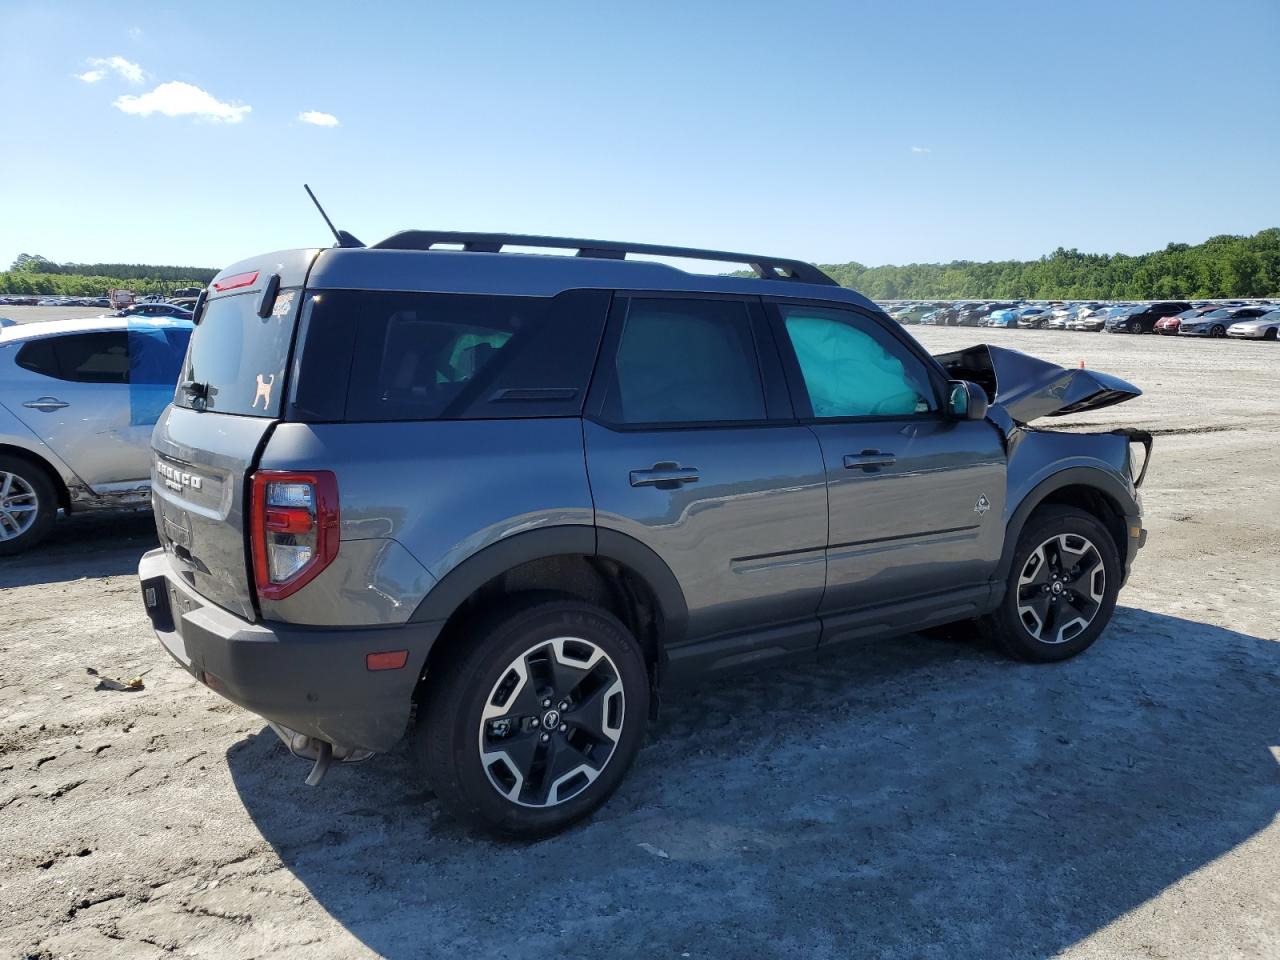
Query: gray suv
x,y
500,499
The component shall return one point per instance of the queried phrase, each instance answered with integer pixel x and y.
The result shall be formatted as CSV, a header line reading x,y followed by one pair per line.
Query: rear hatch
x,y
229,397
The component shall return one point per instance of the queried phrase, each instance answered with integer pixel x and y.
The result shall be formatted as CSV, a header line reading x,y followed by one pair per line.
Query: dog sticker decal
x,y
264,392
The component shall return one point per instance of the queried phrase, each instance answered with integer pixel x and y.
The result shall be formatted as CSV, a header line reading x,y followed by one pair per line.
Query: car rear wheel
x,y
1062,587
28,505
1134,326
535,719
1218,331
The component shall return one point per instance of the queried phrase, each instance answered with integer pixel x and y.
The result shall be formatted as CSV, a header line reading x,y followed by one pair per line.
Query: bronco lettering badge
x,y
176,479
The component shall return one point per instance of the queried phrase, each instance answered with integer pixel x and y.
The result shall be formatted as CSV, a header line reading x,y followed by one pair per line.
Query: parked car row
x,y
26,300
1253,320
183,296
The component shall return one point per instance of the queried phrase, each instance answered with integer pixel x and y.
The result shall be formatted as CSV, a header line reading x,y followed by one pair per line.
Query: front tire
x,y
535,718
1135,326
1062,587
28,505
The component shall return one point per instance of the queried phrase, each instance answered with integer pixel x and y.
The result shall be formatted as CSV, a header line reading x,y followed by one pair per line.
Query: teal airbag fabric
x,y
847,373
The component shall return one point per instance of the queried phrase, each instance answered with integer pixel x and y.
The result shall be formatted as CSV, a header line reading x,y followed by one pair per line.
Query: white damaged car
x,y
78,400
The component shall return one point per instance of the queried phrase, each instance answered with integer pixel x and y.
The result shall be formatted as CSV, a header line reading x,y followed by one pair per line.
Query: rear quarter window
x,y
429,356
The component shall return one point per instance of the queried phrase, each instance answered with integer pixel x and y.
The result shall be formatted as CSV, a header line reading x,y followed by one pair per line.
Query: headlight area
x,y
1142,439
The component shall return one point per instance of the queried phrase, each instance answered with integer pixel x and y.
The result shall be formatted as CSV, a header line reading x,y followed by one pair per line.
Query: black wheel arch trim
x,y
468,576
1100,480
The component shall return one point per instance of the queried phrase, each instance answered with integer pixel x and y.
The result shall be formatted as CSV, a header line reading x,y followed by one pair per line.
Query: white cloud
x,y
316,118
103,65
135,32
178,99
921,150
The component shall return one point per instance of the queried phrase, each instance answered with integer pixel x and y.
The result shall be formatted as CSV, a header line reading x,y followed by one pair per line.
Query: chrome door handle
x,y
868,460
666,475
46,403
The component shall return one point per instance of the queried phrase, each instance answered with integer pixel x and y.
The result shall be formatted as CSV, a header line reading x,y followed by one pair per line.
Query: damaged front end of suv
x,y
1101,470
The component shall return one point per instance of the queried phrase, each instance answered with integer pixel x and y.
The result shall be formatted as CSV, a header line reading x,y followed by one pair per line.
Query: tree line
x,y
34,274
1222,266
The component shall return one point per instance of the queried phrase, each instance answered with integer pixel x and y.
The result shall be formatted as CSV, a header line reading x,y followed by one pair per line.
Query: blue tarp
x,y
156,351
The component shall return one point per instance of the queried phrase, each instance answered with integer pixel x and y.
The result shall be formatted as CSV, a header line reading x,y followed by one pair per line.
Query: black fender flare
x,y
1101,480
468,576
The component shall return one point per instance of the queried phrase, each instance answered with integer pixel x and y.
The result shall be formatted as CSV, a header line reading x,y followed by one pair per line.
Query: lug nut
x,y
547,702
564,705
564,727
533,722
546,737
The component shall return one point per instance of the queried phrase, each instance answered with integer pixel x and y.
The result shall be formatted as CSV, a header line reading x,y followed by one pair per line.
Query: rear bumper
x,y
308,679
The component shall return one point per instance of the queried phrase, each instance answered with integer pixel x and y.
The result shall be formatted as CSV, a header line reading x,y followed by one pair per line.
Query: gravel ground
x,y
28,314
915,798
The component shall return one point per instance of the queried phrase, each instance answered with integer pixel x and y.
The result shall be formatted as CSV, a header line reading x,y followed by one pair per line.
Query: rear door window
x,y
94,357
101,357
685,361
237,360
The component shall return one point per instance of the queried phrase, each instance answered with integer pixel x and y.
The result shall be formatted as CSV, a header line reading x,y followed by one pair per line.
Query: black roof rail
x,y
767,268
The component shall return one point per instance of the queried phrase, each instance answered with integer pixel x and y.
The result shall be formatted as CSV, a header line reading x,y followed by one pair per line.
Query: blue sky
x,y
878,132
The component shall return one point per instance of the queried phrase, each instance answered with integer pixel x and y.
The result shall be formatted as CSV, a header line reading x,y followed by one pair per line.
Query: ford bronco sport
x,y
502,499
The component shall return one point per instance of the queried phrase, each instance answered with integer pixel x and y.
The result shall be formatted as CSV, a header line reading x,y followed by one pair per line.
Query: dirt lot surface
x,y
29,314
915,798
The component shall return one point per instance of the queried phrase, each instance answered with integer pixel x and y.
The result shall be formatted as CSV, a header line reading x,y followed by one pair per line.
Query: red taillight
x,y
294,528
236,281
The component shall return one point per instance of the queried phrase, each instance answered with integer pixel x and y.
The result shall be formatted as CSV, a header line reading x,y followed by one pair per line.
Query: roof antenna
x,y
344,239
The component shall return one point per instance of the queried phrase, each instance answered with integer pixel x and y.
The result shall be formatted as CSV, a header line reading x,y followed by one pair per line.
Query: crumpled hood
x,y
1028,388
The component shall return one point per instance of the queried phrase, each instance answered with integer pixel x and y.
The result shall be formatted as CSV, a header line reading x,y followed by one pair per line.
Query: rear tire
x,y
1218,331
533,719
1062,587
28,505
1135,326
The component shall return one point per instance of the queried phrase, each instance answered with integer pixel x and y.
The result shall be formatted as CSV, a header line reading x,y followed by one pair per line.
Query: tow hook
x,y
323,758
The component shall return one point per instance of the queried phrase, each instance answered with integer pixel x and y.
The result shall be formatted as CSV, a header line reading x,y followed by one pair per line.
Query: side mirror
x,y
967,400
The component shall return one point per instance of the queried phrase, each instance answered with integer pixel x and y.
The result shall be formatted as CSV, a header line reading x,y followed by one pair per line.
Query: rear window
x,y
237,359
428,356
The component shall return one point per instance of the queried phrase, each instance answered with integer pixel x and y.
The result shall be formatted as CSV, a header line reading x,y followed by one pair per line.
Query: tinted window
x,y
93,357
239,359
685,361
39,356
852,368
426,356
